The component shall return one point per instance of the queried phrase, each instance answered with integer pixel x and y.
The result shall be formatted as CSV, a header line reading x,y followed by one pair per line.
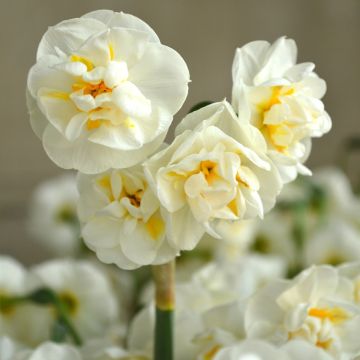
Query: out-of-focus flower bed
x,y
228,292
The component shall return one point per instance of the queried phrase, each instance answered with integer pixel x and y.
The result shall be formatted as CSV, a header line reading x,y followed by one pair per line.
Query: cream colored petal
x,y
90,200
141,247
58,108
119,19
115,73
131,100
91,158
68,36
117,257
75,126
102,232
183,231
38,120
162,76
280,57
248,60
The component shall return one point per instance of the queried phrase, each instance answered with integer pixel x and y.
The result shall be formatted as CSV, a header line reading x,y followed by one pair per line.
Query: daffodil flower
x,y
215,171
122,220
282,99
103,91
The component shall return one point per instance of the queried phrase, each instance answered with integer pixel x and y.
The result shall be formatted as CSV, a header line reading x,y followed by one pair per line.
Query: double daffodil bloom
x,y
103,91
282,99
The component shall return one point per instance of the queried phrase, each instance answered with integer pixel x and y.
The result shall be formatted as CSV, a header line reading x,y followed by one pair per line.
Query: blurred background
x,y
206,33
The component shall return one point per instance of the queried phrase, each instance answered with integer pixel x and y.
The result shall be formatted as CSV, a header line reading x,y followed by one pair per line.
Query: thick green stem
x,y
164,278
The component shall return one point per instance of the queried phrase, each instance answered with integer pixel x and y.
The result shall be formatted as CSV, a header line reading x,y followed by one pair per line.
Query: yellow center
x,y
209,169
336,315
209,355
275,130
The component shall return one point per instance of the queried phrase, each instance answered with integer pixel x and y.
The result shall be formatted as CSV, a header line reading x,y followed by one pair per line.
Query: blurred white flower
x,y
237,236
205,306
86,293
213,172
274,237
332,243
8,348
317,306
102,350
103,91
14,318
228,282
50,351
122,221
352,272
261,350
282,99
52,216
340,199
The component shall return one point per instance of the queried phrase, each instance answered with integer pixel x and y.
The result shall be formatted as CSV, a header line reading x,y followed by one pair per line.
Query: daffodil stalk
x,y
164,278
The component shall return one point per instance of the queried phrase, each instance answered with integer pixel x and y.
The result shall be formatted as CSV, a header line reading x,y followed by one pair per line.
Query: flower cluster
x,y
102,96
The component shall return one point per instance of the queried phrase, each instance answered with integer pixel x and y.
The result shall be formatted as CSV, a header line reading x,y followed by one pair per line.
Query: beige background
x,y
206,33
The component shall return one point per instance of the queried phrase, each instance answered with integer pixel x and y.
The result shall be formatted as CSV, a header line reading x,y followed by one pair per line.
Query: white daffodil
x,y
213,172
9,348
317,307
223,326
352,272
261,350
52,216
282,99
231,281
122,220
103,91
15,319
274,237
102,350
333,243
237,236
50,351
340,199
86,292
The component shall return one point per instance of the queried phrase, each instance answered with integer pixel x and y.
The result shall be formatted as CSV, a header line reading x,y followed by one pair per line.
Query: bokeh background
x,y
206,33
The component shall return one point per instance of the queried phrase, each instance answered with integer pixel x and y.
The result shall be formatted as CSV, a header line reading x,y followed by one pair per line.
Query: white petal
x,y
247,61
183,231
75,126
68,36
102,232
120,19
116,72
162,76
38,120
280,57
91,158
131,100
57,107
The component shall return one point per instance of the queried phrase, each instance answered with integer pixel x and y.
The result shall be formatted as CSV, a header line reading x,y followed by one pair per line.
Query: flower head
x,y
282,99
86,293
103,91
317,306
214,171
52,217
122,219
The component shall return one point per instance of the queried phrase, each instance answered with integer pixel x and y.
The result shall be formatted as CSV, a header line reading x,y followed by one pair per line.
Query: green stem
x,y
64,319
164,278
